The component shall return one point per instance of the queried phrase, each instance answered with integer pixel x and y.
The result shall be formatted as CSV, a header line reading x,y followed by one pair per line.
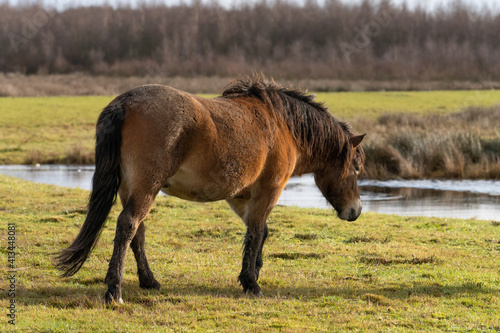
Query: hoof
x,y
255,293
109,298
151,285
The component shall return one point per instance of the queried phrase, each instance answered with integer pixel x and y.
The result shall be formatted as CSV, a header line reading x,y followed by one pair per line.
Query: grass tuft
x,y
53,219
79,155
305,236
366,239
294,256
393,261
377,299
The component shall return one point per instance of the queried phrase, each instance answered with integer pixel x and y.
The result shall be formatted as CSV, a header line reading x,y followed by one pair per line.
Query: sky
x,y
492,5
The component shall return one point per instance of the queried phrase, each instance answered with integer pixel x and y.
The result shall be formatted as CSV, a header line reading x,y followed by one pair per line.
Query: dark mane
x,y
314,129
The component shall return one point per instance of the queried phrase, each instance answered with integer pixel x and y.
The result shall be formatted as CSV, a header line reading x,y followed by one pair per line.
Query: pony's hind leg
x,y
146,277
136,209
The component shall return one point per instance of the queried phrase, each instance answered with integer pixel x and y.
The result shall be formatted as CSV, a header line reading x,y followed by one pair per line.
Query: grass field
x,y
48,129
352,105
61,129
379,273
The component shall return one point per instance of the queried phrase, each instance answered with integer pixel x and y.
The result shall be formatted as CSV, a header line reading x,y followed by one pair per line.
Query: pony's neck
x,y
311,162
304,165
327,142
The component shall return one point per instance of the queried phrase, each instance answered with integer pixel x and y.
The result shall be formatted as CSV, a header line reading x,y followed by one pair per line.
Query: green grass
x,y
379,273
61,129
351,105
47,129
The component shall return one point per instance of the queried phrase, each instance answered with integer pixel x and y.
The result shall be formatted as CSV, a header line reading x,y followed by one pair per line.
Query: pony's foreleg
x,y
255,216
126,227
146,277
260,262
254,240
254,213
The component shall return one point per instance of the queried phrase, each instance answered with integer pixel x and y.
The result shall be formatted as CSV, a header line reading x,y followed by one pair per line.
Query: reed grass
x,y
458,145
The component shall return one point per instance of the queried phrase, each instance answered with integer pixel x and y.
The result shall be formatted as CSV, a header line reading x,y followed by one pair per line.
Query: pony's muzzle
x,y
352,212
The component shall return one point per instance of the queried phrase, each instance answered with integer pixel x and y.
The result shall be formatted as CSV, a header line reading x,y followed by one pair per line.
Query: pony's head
x,y
338,181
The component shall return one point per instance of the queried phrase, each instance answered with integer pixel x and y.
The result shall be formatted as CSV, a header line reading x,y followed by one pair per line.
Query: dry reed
x,y
459,145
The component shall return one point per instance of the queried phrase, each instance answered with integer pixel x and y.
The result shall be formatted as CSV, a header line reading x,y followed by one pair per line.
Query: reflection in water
x,y
463,199
426,202
76,176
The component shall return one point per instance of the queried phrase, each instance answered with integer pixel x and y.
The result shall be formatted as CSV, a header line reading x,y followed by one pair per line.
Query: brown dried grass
x,y
458,145
80,84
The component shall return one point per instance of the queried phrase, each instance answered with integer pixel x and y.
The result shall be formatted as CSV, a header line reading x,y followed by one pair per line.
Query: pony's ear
x,y
356,140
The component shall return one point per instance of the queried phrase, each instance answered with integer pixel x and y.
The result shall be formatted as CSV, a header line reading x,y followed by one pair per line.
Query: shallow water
x,y
441,198
444,198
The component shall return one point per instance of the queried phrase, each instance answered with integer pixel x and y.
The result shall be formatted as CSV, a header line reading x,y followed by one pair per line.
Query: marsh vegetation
x,y
457,145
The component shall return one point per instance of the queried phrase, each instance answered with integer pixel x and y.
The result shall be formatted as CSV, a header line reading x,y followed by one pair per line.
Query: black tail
x,y
105,184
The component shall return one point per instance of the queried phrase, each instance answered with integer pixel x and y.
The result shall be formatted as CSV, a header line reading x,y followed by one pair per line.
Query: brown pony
x,y
241,147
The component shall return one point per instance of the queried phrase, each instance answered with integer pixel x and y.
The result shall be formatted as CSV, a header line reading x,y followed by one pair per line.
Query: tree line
x,y
373,41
